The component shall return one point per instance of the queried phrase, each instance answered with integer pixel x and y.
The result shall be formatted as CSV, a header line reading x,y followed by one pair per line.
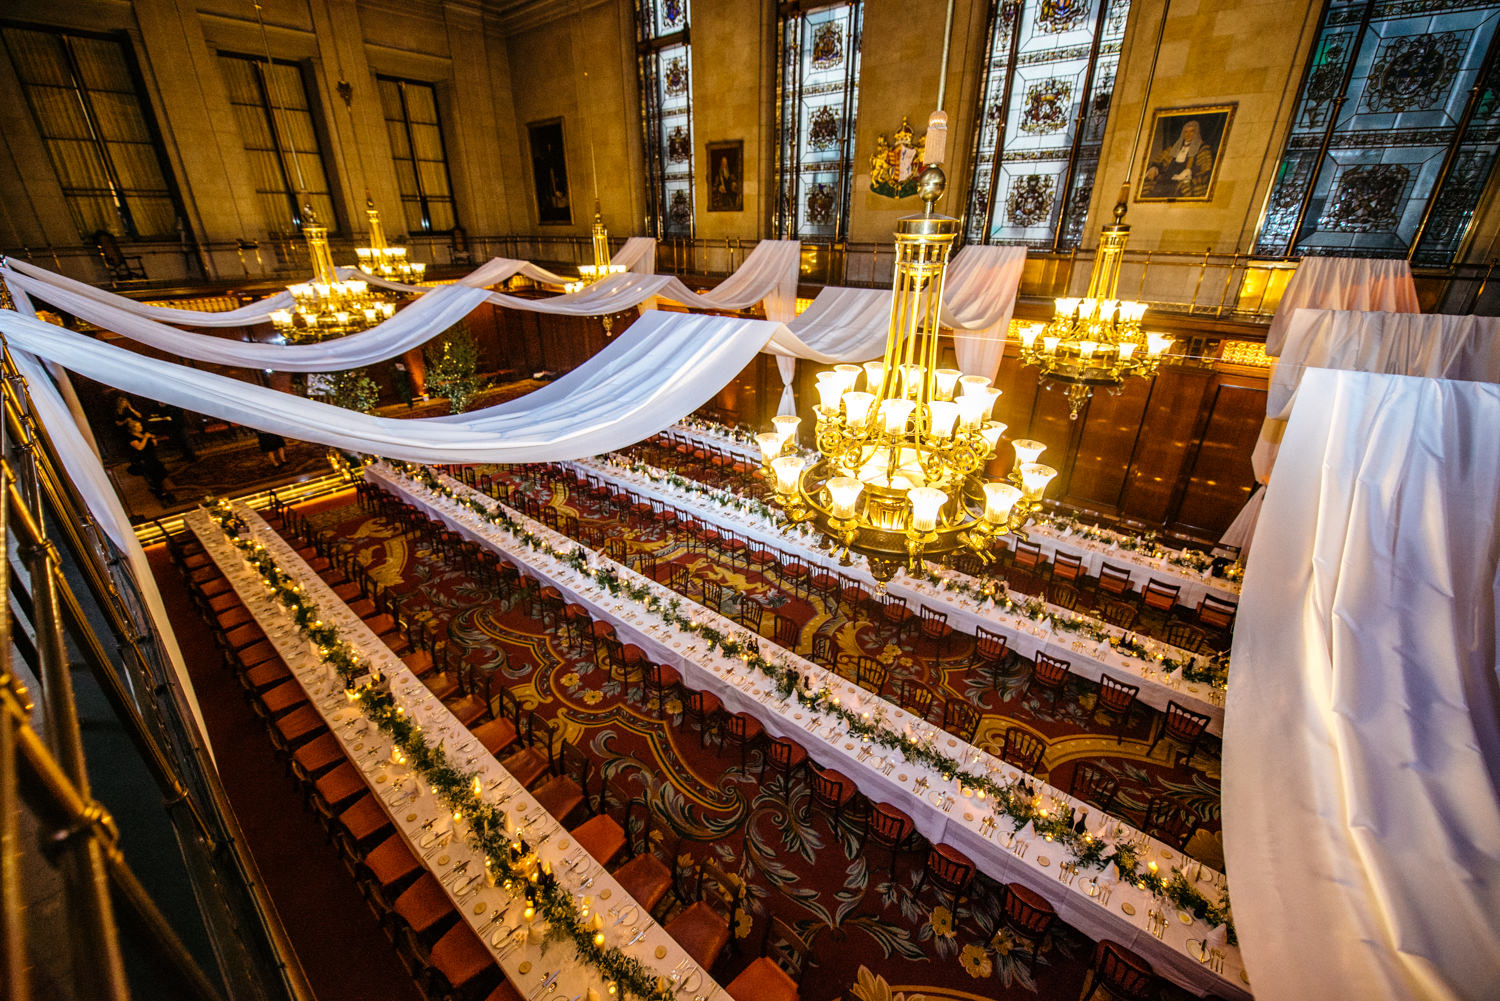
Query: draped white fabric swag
x,y
663,367
1356,283
979,296
1361,812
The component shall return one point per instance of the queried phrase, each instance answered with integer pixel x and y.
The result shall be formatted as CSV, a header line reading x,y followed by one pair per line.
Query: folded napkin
x,y
1216,937
1026,832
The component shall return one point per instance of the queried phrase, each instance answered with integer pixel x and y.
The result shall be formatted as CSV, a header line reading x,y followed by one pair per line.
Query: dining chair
x,y
961,719
1170,822
1027,556
787,632
950,870
785,758
1023,749
1120,973
1118,699
1215,613
777,974
1066,566
1093,785
991,651
870,674
1181,727
1114,580
1050,672
1117,613
891,829
1028,916
935,629
914,697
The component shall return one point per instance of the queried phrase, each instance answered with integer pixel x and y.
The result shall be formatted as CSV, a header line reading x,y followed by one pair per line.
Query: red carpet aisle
x,y
342,949
796,865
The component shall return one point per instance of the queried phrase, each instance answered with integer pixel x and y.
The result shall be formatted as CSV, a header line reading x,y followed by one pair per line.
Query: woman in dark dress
x,y
274,447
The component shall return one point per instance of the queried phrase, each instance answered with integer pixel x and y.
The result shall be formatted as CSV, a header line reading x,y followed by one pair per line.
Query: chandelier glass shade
x,y
903,444
326,306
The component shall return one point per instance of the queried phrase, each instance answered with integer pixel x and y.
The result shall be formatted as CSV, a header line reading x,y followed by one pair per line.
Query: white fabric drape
x,y
417,323
1435,345
841,325
979,296
1361,812
1356,283
660,369
787,366
638,255
492,272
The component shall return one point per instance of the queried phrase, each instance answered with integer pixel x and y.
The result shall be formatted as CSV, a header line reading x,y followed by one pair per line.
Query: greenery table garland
x,y
1016,800
509,860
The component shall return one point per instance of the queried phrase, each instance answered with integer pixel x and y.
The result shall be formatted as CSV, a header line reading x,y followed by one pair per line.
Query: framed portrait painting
x,y
549,169
726,176
1182,158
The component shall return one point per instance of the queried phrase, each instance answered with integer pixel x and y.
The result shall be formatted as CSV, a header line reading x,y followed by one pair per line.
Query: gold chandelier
x,y
327,307
1097,340
900,471
601,268
384,261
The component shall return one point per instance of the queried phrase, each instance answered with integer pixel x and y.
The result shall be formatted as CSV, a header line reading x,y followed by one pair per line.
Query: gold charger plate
x,y
442,860
604,893
968,816
1166,853
410,817
481,907
524,968
849,747
562,845
1043,861
380,777
901,778
1184,917
1128,908
661,952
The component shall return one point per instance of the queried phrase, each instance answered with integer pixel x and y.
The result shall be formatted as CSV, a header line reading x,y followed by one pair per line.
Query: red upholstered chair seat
x,y
701,931
496,735
601,837
423,904
763,980
646,878
460,956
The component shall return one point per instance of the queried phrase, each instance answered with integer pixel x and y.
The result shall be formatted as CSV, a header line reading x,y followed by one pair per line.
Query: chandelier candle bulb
x,y
770,445
829,392
926,502
1086,350
1027,450
992,432
989,395
946,379
848,375
1028,335
845,491
1067,306
912,377
1127,350
894,414
786,428
999,498
1157,343
941,416
788,470
857,408
1049,344
874,375
1034,479
971,411
972,385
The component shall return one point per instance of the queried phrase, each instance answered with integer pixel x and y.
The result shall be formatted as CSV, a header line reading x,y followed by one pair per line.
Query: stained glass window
x,y
411,120
276,126
667,92
95,125
819,86
1391,142
1048,82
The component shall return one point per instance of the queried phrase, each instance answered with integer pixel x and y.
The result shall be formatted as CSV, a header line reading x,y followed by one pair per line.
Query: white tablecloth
x,y
1088,658
1096,553
416,813
940,810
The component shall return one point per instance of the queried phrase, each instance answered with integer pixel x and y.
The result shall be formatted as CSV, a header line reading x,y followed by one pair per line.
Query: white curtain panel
x,y
1362,751
662,368
979,296
638,255
1355,283
1435,345
787,366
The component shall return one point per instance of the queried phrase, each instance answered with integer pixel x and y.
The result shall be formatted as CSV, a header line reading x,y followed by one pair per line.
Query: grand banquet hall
x,y
475,533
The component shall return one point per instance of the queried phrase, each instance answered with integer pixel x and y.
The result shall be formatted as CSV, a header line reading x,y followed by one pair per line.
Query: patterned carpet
x,y
857,907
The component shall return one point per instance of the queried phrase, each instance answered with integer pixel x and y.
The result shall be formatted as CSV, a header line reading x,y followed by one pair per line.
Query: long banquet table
x,y
1088,658
426,825
941,809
